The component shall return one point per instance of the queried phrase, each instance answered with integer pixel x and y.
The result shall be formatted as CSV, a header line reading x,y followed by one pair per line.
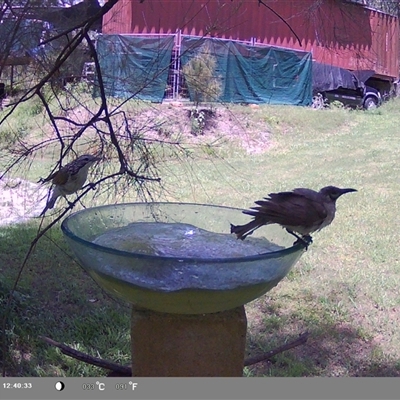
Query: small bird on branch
x,y
301,211
69,179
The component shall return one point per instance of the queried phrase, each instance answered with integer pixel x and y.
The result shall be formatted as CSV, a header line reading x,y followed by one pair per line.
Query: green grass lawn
x,y
344,290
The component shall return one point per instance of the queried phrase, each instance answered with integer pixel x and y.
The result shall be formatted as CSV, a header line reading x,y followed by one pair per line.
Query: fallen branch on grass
x,y
268,355
122,370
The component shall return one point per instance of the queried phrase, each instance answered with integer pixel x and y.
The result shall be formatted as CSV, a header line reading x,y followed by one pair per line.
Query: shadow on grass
x,y
56,298
335,346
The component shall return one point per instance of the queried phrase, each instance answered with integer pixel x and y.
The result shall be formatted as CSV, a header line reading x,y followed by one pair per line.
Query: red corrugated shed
x,y
338,33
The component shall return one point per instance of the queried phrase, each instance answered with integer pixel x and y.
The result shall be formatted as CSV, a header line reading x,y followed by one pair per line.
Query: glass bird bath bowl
x,y
179,258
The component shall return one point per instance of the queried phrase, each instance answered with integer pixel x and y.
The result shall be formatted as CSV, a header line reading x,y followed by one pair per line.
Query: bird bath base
x,y
183,345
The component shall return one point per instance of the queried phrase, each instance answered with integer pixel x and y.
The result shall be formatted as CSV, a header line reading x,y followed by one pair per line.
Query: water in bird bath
x,y
180,240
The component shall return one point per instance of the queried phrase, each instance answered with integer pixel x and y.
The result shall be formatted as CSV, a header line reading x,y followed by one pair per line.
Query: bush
x,y
199,72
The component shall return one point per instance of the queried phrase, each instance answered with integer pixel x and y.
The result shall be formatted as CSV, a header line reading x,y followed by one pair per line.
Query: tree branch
x,y
268,355
282,19
88,359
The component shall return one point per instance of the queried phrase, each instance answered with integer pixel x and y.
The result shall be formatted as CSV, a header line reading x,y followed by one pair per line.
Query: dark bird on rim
x,y
301,211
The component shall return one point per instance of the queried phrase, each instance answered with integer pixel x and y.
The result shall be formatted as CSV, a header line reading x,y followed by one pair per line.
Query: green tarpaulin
x,y
255,74
135,66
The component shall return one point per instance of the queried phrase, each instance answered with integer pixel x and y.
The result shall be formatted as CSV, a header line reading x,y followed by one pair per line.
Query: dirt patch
x,y
20,200
191,125
248,131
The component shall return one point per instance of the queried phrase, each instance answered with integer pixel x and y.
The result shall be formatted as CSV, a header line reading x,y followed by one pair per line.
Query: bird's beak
x,y
347,190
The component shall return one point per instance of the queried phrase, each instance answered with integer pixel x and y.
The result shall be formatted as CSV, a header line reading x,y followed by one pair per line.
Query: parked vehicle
x,y
365,97
332,83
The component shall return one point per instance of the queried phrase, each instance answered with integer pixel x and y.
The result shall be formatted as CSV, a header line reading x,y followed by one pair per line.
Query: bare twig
x,y
268,355
282,19
104,107
52,119
86,358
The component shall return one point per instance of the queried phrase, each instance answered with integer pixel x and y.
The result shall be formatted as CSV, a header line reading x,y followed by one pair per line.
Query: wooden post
x,y
177,345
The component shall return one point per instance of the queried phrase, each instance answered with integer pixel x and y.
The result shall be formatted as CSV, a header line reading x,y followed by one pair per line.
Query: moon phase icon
x,y
59,386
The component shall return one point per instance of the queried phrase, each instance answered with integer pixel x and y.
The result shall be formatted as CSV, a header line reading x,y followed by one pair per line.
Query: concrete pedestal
x,y
188,345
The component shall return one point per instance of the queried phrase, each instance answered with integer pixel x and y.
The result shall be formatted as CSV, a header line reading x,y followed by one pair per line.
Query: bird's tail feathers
x,y
242,231
50,202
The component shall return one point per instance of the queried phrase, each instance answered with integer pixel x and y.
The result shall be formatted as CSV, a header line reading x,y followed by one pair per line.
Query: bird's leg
x,y
80,202
294,234
305,239
303,242
70,204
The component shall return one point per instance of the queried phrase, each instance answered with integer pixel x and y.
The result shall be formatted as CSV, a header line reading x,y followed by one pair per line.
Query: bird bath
x,y
200,272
